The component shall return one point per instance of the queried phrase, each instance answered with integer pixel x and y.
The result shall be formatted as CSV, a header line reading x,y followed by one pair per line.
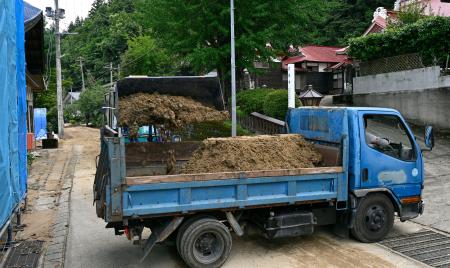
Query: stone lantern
x,y
310,97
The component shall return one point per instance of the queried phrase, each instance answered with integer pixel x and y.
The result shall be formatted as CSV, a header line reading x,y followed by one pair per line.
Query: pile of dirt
x,y
172,111
249,153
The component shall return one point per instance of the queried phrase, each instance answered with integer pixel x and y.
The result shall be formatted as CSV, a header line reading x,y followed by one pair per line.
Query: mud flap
x,y
342,226
160,234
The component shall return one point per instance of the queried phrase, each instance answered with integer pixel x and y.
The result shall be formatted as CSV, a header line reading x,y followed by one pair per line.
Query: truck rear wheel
x,y
374,218
205,242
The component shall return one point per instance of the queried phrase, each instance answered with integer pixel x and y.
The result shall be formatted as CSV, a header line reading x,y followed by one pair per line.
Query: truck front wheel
x,y
205,243
374,218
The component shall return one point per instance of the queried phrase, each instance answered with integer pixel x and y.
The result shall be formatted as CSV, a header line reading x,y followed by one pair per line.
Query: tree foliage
x,y
411,13
199,31
429,37
350,19
101,38
90,104
145,57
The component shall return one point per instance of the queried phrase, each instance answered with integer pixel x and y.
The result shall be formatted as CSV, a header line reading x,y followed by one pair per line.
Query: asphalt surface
x,y
437,187
89,244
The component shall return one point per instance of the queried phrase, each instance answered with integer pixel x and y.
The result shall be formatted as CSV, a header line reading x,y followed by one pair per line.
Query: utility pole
x,y
58,75
111,69
83,87
118,71
56,15
233,73
111,72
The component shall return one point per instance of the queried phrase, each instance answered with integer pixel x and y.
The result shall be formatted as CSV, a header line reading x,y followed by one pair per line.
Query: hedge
x,y
250,101
429,36
270,102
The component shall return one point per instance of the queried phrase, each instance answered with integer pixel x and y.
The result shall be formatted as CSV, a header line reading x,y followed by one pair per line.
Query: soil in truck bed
x,y
250,153
172,111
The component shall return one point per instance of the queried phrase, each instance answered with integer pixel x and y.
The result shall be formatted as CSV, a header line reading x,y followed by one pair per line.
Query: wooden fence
x,y
261,124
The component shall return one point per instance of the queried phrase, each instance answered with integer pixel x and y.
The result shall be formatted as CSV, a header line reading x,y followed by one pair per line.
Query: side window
x,y
387,134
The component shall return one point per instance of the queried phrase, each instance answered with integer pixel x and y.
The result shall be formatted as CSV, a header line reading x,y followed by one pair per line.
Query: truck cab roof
x,y
375,109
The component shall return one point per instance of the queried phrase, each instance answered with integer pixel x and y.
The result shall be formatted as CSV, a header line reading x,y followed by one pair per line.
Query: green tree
x,y
144,57
428,36
199,31
410,14
90,104
102,38
350,19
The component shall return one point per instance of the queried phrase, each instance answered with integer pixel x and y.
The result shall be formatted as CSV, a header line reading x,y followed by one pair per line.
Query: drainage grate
x,y
426,246
24,254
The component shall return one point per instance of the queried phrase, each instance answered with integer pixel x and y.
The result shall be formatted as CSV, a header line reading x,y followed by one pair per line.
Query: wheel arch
x,y
361,193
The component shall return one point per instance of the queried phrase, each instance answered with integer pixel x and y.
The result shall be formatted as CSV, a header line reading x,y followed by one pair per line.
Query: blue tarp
x,y
40,123
13,104
22,98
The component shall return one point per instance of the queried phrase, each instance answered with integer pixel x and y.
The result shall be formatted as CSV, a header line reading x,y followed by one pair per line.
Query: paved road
x,y
437,187
89,244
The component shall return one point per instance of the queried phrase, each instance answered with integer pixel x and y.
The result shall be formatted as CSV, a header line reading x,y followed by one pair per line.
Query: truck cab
x,y
385,165
394,167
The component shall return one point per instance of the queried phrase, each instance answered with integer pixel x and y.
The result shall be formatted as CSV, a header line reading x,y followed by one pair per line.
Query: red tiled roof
x,y
317,54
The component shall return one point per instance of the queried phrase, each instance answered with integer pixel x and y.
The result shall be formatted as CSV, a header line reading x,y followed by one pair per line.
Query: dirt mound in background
x,y
172,111
249,153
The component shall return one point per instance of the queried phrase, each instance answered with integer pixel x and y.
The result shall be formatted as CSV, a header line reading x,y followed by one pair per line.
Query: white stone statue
x,y
380,12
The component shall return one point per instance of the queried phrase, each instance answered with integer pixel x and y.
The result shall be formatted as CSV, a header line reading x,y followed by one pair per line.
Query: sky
x,y
73,8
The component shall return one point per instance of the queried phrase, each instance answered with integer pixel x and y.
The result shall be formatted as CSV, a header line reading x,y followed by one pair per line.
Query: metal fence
x,y
261,124
392,64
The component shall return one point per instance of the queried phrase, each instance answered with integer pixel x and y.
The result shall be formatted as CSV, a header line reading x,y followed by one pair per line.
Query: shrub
x,y
428,36
275,104
250,101
52,120
90,103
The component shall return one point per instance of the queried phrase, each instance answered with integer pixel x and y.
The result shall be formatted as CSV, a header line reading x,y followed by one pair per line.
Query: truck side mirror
x,y
429,137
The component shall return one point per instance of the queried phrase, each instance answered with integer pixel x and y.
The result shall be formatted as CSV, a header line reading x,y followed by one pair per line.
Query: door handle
x,y
365,174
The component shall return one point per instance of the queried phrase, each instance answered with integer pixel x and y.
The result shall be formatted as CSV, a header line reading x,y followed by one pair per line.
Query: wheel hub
x,y
207,247
205,244
375,218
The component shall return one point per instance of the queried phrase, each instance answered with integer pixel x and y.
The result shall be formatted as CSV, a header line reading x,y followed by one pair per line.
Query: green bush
x,y
428,36
275,104
249,101
90,103
52,120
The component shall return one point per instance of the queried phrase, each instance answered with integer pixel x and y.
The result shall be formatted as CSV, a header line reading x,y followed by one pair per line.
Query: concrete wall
x,y
425,107
411,80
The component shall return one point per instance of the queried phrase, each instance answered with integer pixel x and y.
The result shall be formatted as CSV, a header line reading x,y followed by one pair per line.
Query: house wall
x,y
272,77
322,67
425,107
439,8
421,95
321,82
435,7
410,80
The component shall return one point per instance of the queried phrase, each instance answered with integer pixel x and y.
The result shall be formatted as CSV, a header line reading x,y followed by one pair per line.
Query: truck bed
x,y
131,180
151,195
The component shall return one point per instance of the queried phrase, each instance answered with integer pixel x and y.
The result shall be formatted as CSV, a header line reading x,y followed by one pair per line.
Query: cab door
x,y
390,157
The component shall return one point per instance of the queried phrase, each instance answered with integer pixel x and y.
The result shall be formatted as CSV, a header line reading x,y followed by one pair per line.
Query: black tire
x,y
205,243
374,218
185,225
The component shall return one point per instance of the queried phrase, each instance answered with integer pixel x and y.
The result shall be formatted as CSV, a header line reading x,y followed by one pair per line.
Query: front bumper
x,y
411,211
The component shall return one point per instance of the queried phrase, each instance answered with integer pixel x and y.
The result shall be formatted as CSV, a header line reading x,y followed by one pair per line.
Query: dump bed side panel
x,y
161,198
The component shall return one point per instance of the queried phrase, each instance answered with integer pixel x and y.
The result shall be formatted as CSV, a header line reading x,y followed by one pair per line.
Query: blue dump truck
x,y
372,171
